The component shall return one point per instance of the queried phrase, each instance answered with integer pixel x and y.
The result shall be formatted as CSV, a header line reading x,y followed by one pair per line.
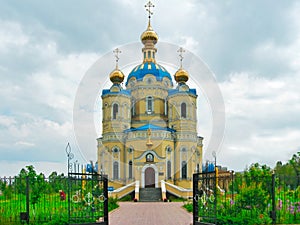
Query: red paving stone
x,y
150,213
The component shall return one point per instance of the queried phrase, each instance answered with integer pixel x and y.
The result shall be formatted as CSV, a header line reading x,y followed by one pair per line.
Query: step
x,y
150,194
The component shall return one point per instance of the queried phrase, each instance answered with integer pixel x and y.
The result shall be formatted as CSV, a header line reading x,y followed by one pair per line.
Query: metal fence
x,y
24,200
243,199
59,200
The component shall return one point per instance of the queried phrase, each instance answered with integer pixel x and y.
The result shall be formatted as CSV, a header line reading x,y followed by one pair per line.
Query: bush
x,y
112,204
188,207
126,198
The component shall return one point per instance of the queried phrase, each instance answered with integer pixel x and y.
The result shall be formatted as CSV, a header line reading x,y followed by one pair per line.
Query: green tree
x,y
36,183
289,173
57,182
295,163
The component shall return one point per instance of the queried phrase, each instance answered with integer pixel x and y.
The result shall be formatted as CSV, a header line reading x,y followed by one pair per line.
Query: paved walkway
x,y
150,213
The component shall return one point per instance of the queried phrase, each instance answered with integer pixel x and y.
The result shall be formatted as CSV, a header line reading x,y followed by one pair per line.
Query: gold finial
x,y
117,51
181,51
149,132
148,7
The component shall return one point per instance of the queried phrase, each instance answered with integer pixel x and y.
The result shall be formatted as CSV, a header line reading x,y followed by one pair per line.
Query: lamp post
x,y
70,156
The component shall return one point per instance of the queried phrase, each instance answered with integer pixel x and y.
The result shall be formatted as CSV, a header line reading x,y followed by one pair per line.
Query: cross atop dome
x,y
148,7
116,76
117,51
181,51
149,37
181,76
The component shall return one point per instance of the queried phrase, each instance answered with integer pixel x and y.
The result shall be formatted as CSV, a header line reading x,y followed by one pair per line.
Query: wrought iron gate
x,y
88,199
204,198
87,194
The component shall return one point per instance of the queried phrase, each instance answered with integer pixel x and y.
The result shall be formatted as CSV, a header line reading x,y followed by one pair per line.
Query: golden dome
x,y
116,76
181,76
149,34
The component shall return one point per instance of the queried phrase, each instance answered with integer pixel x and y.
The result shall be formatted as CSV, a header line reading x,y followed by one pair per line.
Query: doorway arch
x,y
149,176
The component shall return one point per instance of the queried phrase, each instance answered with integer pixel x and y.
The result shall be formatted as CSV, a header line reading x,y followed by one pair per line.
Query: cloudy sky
x,y
46,47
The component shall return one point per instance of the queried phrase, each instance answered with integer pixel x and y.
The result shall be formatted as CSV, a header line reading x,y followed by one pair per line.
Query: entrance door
x,y
149,177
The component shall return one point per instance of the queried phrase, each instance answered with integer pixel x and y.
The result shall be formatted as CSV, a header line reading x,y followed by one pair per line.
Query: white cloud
x,y
6,121
24,144
11,36
262,119
13,168
37,102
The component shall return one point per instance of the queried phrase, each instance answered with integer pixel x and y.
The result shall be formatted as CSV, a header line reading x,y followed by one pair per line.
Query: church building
x,y
149,123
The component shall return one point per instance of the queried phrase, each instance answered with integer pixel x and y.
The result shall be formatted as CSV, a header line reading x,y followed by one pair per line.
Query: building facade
x,y
150,125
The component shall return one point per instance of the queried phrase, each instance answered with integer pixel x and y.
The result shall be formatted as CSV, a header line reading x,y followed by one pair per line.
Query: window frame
x,y
183,110
115,114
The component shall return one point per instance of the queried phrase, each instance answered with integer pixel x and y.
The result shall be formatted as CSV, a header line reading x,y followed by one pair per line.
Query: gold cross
x,y
117,51
181,51
149,5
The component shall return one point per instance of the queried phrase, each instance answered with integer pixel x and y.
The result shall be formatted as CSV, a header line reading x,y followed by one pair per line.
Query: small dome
x,y
181,76
116,76
149,34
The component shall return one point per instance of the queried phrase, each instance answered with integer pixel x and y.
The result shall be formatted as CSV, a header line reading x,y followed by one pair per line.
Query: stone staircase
x,y
150,194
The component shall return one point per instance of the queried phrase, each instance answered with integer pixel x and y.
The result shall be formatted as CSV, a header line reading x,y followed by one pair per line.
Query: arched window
x,y
183,110
116,171
130,169
169,176
133,107
183,169
115,110
166,107
149,157
149,104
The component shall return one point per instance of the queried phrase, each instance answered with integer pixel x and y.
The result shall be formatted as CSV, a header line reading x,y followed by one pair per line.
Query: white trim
x,y
152,152
143,174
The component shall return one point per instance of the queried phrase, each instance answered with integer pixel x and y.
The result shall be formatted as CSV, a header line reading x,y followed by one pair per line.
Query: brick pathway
x,y
150,213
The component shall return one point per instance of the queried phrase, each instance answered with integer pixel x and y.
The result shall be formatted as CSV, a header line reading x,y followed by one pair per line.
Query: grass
x,y
51,210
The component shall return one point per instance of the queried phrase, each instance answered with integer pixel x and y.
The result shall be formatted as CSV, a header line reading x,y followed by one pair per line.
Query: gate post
x,y
27,199
273,212
195,198
105,186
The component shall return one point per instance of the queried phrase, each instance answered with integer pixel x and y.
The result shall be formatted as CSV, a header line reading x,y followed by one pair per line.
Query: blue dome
x,y
140,71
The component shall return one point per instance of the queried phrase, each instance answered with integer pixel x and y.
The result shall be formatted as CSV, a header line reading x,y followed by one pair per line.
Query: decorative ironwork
x,y
204,198
70,156
87,193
